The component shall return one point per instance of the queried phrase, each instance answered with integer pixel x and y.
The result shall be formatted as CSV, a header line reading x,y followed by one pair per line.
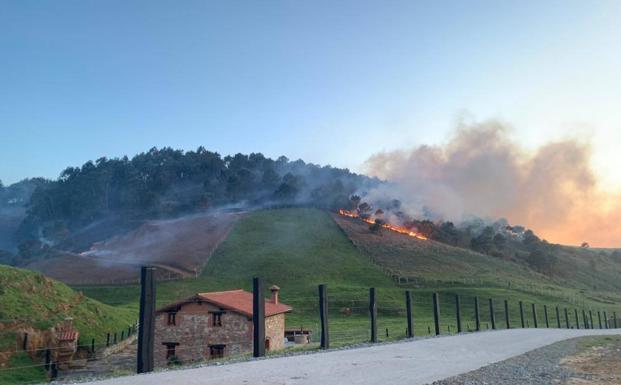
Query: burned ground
x,y
179,247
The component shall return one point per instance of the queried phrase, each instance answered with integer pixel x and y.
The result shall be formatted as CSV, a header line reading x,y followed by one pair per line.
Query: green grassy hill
x,y
31,300
578,275
298,249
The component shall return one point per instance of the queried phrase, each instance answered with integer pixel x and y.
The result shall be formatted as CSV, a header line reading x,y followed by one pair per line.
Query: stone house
x,y
214,325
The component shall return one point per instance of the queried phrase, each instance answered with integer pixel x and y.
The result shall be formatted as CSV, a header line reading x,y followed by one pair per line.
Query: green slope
x,y
299,248
29,299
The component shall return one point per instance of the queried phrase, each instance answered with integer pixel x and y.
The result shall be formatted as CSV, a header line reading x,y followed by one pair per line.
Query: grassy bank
x,y
30,300
298,249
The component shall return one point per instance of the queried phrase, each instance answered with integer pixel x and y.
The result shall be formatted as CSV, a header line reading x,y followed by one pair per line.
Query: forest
x,y
163,183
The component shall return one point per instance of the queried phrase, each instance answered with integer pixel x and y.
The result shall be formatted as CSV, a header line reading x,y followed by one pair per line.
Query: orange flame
x,y
398,229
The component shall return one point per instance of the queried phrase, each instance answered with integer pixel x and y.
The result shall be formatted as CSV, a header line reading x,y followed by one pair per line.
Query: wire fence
x,y
352,317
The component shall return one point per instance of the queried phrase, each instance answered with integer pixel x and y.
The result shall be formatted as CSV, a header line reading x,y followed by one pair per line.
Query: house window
x,y
170,349
216,351
216,319
172,318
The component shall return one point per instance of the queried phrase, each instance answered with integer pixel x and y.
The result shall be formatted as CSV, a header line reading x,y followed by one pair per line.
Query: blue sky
x,y
331,82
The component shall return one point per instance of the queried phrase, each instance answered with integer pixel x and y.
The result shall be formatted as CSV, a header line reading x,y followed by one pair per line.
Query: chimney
x,y
67,324
275,290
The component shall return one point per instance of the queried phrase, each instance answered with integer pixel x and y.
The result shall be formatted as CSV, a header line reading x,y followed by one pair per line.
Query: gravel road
x,y
411,362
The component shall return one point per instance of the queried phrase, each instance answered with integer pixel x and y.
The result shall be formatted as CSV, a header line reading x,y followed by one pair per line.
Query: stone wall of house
x,y
194,333
275,331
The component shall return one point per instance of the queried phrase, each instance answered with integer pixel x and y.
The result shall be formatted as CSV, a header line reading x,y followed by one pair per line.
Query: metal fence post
x,y
146,332
373,312
599,319
507,320
323,315
534,316
436,313
591,324
577,319
477,316
545,314
566,319
585,319
492,316
258,318
522,315
458,312
605,320
408,307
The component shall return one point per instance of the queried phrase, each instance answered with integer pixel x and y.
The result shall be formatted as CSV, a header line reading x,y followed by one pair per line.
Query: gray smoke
x,y
480,171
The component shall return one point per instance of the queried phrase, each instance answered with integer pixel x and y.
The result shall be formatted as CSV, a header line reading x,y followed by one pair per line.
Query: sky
x,y
331,82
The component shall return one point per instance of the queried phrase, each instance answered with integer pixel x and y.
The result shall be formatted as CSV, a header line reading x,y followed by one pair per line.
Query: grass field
x,y
29,299
298,249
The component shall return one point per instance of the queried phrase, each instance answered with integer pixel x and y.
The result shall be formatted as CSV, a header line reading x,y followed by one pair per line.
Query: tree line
x,y
167,182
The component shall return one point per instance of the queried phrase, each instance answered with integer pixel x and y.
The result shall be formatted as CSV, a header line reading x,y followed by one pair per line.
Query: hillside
x,y
31,300
577,274
180,247
298,249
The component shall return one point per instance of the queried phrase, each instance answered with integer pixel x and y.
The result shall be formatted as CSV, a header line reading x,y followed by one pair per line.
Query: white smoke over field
x,y
481,171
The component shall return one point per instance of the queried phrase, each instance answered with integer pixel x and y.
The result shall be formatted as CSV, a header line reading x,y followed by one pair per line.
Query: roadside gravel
x,y
538,367
551,365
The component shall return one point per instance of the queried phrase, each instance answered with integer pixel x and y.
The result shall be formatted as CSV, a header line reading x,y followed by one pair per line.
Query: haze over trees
x,y
165,183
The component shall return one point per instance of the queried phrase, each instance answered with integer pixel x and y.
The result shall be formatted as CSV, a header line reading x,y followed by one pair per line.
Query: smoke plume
x,y
480,171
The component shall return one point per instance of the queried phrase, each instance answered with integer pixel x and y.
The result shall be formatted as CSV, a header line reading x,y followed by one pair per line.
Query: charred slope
x,y
430,263
179,248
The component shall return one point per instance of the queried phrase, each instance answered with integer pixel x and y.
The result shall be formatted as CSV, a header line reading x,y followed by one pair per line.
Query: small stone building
x,y
214,325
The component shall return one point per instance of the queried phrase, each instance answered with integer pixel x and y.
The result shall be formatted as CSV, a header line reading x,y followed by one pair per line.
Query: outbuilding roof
x,y
239,301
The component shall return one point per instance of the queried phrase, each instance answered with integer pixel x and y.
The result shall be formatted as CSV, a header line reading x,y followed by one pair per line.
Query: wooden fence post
x,y
122,335
408,308
522,314
614,319
591,324
566,319
477,316
323,315
534,307
258,318
545,314
458,312
436,313
114,339
558,318
492,316
373,313
93,346
599,319
146,332
605,320
107,339
507,320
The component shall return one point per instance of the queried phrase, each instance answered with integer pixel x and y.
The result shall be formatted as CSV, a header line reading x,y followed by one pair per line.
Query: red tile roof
x,y
239,301
71,335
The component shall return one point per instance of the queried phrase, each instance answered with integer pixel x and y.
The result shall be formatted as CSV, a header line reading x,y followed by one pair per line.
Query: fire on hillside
x,y
398,229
